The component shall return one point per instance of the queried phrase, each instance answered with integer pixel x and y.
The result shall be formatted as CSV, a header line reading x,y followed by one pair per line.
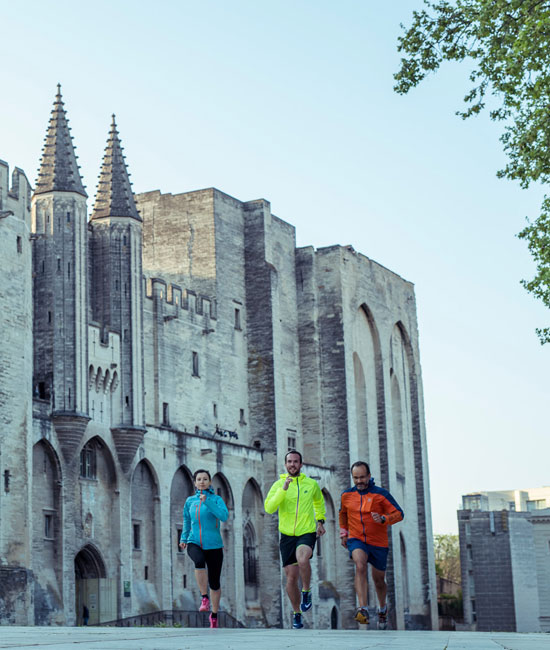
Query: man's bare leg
x,y
379,578
292,573
360,559
303,555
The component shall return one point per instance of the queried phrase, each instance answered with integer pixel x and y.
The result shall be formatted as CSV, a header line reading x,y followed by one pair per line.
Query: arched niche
x,y
326,545
370,420
144,534
221,487
182,576
252,511
397,427
88,564
361,403
47,519
404,573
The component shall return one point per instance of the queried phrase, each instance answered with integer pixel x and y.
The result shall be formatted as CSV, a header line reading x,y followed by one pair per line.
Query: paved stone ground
x,y
150,638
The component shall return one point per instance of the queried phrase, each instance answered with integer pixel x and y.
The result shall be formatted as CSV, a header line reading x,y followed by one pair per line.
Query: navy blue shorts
x,y
377,555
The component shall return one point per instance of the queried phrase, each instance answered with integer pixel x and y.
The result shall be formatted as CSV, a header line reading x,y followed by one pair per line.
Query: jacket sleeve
x,y
319,503
186,524
392,510
217,507
343,518
275,497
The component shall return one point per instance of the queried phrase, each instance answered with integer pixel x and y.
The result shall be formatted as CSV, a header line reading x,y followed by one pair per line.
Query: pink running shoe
x,y
205,604
213,621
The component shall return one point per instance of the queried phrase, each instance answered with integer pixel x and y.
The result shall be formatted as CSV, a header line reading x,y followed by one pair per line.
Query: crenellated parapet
x,y
178,302
15,198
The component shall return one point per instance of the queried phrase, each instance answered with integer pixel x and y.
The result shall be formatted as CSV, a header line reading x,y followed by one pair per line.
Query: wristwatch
x,y
383,519
320,521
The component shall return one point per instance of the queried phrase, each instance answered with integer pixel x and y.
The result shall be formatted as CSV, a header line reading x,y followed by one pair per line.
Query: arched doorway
x,y
92,588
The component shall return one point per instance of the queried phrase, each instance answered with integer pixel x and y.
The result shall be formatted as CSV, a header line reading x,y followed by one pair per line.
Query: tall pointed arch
x,y
369,391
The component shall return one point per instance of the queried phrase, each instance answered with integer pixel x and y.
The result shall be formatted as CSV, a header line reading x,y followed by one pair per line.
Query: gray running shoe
x,y
383,618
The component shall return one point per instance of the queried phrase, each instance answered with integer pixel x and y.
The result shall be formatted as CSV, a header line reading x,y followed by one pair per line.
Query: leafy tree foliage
x,y
508,42
447,557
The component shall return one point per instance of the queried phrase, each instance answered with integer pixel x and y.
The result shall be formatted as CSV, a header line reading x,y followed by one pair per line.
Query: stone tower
x,y
59,223
117,289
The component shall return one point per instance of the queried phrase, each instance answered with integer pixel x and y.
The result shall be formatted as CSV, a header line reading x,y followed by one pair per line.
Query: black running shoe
x,y
297,620
305,605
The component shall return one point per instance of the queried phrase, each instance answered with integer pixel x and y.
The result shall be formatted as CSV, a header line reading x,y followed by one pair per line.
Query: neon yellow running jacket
x,y
299,506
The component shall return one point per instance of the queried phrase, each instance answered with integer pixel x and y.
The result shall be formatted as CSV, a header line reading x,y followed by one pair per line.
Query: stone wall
x,y
15,396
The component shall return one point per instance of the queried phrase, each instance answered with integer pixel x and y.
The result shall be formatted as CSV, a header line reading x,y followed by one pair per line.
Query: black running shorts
x,y
289,544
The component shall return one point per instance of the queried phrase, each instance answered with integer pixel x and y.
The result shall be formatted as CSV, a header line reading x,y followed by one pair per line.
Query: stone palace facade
x,y
161,333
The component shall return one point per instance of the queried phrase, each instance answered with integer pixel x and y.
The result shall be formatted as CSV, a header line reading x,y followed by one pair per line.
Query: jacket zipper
x,y
297,505
362,522
199,517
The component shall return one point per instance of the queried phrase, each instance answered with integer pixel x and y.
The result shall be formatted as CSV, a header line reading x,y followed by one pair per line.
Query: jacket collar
x,y
209,490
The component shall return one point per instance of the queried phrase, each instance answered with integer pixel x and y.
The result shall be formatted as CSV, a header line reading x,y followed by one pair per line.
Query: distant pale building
x,y
157,334
527,500
505,560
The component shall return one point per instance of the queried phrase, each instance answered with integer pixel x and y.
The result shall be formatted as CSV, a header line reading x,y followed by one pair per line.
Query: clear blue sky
x,y
292,101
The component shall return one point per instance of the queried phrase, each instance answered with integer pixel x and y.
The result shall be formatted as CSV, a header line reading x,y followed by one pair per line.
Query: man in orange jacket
x,y
366,512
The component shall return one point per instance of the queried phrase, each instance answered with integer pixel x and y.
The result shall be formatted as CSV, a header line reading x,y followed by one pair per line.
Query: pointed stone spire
x,y
59,170
114,196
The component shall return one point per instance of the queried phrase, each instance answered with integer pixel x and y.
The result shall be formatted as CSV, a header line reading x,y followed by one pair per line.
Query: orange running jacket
x,y
356,518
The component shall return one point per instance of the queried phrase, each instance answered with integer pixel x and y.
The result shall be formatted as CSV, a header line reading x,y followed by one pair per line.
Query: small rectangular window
x,y
165,414
237,319
19,244
68,217
196,364
215,409
68,269
137,536
48,526
185,582
146,572
241,417
178,540
291,443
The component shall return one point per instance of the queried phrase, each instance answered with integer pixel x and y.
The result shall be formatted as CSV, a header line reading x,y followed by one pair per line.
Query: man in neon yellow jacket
x,y
301,520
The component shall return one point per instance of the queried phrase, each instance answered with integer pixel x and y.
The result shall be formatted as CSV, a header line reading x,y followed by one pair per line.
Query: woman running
x,y
202,514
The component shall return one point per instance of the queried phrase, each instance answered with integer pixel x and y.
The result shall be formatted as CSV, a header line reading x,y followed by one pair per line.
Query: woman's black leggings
x,y
211,558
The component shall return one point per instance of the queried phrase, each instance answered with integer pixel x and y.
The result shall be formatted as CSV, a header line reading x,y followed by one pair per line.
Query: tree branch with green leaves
x,y
508,42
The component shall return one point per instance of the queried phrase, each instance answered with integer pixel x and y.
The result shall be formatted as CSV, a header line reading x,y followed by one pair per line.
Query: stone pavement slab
x,y
155,638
